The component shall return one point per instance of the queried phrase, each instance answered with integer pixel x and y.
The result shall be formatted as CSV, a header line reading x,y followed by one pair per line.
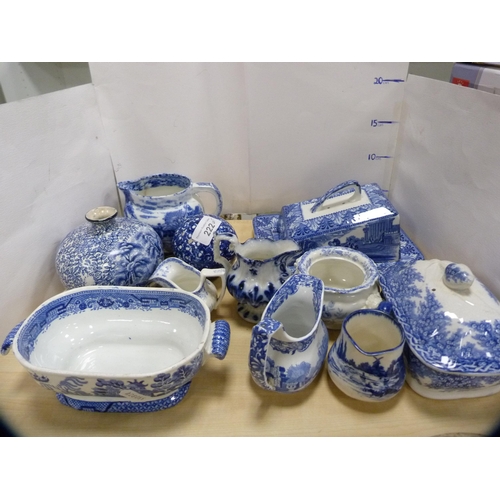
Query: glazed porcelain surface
x,y
164,200
349,215
118,348
108,250
268,226
350,279
451,324
289,345
366,361
259,268
194,240
175,273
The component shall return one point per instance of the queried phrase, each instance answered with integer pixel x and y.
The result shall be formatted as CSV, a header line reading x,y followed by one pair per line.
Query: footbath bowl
x,y
118,349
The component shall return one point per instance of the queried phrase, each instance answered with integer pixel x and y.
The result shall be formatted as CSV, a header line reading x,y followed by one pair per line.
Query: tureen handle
x,y
7,343
218,343
324,202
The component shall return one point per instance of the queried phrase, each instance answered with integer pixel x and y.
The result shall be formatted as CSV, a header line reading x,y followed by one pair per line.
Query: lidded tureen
x,y
451,323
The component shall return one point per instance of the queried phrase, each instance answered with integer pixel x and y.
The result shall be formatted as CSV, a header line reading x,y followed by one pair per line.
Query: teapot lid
x,y
451,320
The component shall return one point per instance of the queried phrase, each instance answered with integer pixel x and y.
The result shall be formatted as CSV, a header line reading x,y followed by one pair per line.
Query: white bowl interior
x,y
297,316
337,272
116,342
373,332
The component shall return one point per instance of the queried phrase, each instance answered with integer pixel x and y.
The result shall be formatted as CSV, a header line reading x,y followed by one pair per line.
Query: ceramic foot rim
x,y
126,406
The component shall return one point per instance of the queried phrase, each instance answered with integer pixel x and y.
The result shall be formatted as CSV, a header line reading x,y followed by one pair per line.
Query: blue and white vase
x,y
108,250
164,200
289,345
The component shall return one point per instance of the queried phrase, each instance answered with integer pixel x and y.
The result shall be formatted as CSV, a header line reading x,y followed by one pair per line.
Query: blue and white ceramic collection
x,y
366,361
108,250
451,324
289,344
134,327
118,349
350,279
164,200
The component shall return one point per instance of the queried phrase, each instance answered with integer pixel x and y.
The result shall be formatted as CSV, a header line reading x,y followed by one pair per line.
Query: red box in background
x,y
481,76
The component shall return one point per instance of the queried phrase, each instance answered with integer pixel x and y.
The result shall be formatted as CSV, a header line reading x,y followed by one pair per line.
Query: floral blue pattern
x,y
195,253
116,252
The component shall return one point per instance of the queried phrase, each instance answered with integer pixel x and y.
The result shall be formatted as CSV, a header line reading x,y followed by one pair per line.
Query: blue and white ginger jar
x,y
108,250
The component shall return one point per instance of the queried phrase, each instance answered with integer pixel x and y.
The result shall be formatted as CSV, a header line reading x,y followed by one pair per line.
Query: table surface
x,y
224,401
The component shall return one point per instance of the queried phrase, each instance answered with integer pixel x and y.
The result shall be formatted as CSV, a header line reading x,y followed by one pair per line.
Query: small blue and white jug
x,y
289,345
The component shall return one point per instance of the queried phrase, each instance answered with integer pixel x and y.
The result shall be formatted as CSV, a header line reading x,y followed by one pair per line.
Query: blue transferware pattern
x,y
259,269
196,253
458,276
368,375
108,250
366,221
164,200
125,406
453,332
160,389
289,345
268,226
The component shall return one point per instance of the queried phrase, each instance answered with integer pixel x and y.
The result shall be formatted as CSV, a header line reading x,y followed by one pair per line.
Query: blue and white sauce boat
x,y
175,273
451,323
350,279
258,270
366,361
163,200
289,345
118,349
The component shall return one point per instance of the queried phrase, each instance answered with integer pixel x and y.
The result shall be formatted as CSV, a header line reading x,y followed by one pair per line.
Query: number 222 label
x,y
204,232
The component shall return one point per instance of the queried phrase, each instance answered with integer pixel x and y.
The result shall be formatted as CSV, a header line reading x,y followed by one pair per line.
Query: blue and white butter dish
x,y
349,215
118,349
451,323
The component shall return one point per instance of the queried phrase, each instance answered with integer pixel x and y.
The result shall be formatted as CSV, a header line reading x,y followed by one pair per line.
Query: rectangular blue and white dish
x,y
349,215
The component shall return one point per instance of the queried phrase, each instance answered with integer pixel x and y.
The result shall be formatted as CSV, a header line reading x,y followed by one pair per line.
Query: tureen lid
x,y
451,320
341,209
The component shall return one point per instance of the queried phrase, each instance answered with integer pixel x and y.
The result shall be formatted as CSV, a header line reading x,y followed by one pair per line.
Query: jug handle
x,y
261,336
209,187
233,241
217,273
324,203
7,343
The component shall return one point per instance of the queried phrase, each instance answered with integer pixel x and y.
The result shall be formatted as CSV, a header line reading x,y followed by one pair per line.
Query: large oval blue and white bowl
x,y
118,349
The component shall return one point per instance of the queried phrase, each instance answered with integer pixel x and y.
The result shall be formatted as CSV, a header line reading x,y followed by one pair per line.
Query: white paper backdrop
x,y
446,177
266,134
55,167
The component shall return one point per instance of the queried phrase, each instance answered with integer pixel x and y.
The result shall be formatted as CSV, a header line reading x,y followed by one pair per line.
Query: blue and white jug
x,y
289,345
163,200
